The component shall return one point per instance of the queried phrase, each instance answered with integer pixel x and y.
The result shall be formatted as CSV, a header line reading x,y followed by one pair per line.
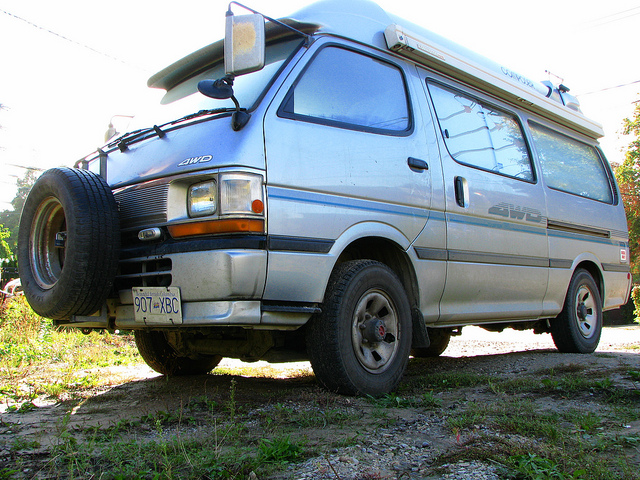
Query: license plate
x,y
157,305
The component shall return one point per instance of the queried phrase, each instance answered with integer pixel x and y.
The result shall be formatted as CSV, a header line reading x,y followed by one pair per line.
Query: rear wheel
x,y
359,344
578,327
158,353
439,341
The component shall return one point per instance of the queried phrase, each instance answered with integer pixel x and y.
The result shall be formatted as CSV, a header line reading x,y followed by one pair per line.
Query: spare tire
x,y
68,243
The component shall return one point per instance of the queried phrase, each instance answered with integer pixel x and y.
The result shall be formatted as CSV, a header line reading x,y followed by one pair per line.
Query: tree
x,y
10,219
628,176
5,251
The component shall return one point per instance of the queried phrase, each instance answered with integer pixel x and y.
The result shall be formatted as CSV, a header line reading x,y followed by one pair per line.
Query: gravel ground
x,y
407,450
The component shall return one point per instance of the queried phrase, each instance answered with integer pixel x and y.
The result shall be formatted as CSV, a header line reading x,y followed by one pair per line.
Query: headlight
x,y
203,199
240,194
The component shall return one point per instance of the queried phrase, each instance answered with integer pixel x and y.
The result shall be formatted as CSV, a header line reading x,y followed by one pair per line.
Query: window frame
x,y
283,113
615,198
485,103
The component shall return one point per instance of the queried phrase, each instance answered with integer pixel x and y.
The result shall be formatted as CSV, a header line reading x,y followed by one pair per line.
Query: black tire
x,y
160,356
439,338
360,343
578,327
76,209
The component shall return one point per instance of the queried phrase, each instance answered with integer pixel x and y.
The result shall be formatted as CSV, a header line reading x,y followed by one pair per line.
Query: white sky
x,y
60,95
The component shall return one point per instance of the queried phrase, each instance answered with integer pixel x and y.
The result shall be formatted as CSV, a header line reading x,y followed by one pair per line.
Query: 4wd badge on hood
x,y
193,160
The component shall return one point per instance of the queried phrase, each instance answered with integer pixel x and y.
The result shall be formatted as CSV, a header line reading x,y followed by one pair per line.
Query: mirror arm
x,y
240,117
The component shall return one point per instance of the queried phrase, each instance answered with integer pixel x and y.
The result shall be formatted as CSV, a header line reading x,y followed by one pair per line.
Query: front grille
x,y
142,205
143,272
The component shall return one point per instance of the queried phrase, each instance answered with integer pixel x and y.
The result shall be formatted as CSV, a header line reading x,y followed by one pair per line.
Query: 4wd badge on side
x,y
194,160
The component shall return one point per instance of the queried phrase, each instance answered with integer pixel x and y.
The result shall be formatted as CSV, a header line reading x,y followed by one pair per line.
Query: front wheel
x,y
578,327
359,344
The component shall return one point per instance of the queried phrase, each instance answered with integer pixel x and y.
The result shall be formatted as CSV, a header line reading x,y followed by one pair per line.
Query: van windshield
x,y
184,98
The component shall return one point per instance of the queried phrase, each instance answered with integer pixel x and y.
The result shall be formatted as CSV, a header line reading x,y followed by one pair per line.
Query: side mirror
x,y
244,44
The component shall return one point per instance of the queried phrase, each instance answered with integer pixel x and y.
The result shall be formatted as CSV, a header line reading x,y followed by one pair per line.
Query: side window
x,y
344,88
481,136
570,165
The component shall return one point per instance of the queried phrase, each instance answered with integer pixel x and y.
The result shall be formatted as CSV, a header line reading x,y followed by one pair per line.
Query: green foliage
x,y
5,251
7,473
451,380
10,219
628,176
635,295
31,346
278,450
533,467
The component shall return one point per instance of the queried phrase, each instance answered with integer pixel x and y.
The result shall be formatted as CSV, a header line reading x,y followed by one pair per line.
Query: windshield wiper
x,y
201,113
125,140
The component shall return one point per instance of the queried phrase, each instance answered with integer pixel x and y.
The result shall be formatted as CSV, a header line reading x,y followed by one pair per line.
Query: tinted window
x,y
342,86
570,165
481,136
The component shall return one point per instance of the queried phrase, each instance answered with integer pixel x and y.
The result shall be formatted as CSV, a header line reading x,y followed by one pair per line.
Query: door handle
x,y
417,164
461,191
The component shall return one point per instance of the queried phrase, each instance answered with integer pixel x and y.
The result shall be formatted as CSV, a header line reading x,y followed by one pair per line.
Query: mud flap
x,y
420,337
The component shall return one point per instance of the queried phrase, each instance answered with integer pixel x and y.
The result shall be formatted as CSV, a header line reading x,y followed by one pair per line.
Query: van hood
x,y
154,153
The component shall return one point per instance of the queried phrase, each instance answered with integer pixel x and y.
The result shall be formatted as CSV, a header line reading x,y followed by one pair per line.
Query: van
x,y
340,186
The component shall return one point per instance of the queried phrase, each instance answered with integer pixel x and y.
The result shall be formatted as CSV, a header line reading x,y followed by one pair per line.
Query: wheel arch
x,y
388,252
595,271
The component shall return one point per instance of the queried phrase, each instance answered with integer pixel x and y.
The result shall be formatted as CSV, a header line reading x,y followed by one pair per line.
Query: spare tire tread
x,y
92,246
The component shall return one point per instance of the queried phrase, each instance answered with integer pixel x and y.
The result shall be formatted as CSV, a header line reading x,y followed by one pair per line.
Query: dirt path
x,y
137,391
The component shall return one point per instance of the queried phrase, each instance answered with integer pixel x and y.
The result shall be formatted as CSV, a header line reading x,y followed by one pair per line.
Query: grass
x,y
37,359
567,422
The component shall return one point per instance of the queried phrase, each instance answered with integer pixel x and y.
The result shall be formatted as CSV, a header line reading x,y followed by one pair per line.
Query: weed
x,y
7,473
429,400
465,419
203,402
22,408
278,450
521,384
231,403
533,467
451,380
604,384
585,422
530,425
349,441
562,370
20,443
36,358
390,400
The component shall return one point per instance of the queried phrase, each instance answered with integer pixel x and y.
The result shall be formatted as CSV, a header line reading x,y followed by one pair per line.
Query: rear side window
x,y
344,88
571,166
481,136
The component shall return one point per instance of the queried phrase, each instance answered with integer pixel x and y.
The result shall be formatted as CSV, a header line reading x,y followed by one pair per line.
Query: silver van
x,y
341,186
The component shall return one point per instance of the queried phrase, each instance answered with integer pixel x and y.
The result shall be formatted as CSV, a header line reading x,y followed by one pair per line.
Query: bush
x,y
635,295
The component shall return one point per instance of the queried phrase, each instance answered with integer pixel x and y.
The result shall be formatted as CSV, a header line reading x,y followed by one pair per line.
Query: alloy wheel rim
x,y
47,257
586,312
375,331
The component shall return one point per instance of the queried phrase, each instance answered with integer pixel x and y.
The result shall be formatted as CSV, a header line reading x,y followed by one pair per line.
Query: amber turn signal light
x,y
234,225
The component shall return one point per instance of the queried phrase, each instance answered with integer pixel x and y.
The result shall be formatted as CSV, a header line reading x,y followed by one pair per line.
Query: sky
x,y
68,68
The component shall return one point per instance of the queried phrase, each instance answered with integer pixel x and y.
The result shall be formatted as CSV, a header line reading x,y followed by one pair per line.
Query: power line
x,y
618,13
111,57
26,167
598,22
608,88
